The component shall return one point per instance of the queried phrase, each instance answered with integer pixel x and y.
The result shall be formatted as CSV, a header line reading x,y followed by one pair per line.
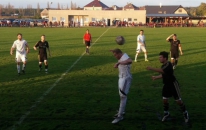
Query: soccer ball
x,y
120,40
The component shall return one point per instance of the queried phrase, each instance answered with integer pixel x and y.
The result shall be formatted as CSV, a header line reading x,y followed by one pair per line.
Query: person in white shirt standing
x,y
141,45
22,49
125,77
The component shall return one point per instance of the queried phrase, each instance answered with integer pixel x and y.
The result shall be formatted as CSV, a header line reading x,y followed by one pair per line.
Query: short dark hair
x,y
19,34
142,30
164,54
42,35
175,35
117,51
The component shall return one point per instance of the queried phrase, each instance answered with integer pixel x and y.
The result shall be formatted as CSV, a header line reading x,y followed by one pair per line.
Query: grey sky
x,y
82,3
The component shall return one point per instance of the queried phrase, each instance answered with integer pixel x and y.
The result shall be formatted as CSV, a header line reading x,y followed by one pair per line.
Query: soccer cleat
x,y
116,115
166,115
46,72
146,60
135,60
186,116
116,120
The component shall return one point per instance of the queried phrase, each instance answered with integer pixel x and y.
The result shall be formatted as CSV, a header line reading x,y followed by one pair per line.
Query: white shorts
x,y
21,57
141,48
124,85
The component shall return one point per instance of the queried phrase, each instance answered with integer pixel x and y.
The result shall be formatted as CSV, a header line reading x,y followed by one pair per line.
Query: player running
x,y
124,83
175,45
171,85
141,45
22,49
43,47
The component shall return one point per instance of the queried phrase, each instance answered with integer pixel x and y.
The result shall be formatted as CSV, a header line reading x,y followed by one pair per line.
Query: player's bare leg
x,y
46,66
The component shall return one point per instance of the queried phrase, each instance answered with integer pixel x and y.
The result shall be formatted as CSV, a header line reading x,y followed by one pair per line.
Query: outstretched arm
x,y
156,77
180,48
155,69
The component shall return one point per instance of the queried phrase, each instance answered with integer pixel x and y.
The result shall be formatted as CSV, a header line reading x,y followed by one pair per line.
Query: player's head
x,y
19,36
141,32
87,31
117,53
42,37
163,56
174,37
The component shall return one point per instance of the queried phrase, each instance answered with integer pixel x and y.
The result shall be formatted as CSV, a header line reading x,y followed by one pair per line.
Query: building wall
x,y
86,16
92,8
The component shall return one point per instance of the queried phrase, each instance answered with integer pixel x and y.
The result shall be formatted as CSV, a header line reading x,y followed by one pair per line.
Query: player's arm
x,y
159,70
35,47
49,51
180,48
168,38
11,50
126,62
156,77
27,48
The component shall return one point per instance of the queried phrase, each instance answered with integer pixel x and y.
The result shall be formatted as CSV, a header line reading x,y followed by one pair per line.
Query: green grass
x,y
87,96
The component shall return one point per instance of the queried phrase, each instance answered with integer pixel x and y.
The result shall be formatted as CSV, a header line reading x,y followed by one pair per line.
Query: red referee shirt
x,y
87,37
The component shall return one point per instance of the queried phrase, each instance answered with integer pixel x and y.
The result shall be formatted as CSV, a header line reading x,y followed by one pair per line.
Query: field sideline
x,y
87,96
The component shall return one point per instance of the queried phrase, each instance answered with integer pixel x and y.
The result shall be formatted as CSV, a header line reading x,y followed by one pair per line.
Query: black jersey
x,y
42,47
168,76
174,45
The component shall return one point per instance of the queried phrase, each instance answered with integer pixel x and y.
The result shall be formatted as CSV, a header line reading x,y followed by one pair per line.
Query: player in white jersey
x,y
125,77
141,45
22,49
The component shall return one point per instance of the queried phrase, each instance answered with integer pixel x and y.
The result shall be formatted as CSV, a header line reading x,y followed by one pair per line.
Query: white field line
x,y
23,117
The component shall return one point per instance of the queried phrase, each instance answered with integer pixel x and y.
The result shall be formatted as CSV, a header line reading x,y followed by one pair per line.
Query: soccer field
x,y
80,91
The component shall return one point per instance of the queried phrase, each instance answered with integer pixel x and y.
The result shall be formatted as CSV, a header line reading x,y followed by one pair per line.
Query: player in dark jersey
x,y
171,86
43,47
174,49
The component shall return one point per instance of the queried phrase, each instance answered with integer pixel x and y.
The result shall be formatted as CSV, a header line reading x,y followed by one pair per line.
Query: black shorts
x,y
171,90
42,57
87,43
174,55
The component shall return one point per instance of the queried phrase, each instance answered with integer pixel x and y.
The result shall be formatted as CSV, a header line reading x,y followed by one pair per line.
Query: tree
x,y
201,9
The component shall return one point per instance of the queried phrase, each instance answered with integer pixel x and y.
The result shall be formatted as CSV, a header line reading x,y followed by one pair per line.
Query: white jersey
x,y
20,46
140,38
124,70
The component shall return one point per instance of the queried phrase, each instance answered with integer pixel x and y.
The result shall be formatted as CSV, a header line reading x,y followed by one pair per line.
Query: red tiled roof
x,y
131,6
96,3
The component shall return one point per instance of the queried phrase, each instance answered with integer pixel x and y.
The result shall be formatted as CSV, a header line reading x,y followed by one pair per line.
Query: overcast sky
x,y
82,3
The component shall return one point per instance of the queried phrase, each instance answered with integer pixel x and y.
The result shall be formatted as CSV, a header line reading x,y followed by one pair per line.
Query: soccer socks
x,y
145,56
166,107
136,57
23,67
182,107
40,65
176,61
18,68
123,101
46,68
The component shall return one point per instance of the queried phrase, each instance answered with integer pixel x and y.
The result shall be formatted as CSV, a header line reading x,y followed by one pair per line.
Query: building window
x,y
62,19
165,12
135,19
129,19
160,12
54,19
93,19
180,10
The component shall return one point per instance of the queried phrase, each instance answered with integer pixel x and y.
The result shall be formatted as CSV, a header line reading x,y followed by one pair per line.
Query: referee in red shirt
x,y
87,39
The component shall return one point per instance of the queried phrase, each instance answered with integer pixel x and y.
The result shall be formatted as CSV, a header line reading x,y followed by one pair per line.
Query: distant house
x,y
96,5
130,6
165,12
45,12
